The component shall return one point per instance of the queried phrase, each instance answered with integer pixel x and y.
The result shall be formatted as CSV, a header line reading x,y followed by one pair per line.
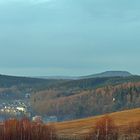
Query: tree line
x,y
25,130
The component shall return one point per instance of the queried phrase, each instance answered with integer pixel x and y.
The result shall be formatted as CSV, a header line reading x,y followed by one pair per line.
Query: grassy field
x,y
83,126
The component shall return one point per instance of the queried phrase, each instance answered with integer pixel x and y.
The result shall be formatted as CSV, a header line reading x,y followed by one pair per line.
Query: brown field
x,y
83,126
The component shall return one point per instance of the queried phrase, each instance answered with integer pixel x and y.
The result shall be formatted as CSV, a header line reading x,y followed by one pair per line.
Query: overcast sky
x,y
69,37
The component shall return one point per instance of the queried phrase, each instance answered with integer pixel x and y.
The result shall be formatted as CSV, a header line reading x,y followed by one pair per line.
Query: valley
x,y
69,99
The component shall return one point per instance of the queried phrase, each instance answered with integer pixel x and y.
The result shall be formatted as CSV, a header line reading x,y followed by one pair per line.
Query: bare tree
x,y
105,129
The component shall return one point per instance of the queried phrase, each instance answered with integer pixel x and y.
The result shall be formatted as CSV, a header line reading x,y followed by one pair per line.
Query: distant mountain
x,y
99,75
58,77
109,74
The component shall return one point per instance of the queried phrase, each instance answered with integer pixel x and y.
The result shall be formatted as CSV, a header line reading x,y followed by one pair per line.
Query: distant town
x,y
20,109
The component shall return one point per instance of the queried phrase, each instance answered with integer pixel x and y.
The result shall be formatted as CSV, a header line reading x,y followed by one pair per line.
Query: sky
x,y
69,37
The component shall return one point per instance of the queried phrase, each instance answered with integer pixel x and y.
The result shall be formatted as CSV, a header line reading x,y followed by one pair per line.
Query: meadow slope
x,y
83,126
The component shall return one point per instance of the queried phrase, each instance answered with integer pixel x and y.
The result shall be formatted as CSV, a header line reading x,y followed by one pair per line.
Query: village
x,y
22,109
15,108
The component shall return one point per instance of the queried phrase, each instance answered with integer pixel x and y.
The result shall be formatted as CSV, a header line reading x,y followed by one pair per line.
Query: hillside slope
x,y
83,126
73,104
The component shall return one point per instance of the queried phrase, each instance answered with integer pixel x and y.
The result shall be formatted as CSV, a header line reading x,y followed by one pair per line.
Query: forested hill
x,y
87,97
12,87
43,84
72,99
92,83
9,81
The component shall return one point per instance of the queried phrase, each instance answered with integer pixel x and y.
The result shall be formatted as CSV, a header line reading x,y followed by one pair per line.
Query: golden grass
x,y
83,126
